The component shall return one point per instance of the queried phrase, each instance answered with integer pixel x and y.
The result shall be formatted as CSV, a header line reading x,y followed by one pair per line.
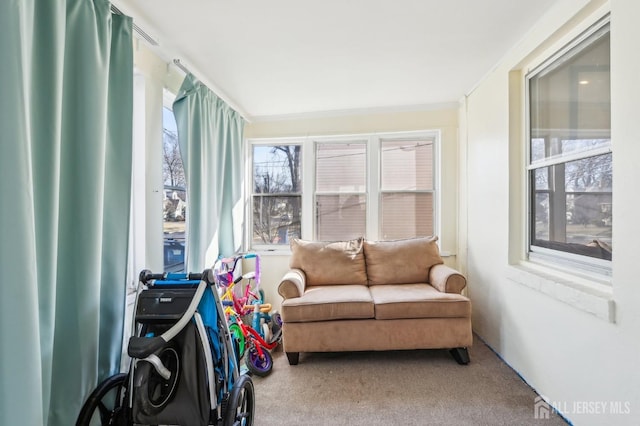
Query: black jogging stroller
x,y
184,368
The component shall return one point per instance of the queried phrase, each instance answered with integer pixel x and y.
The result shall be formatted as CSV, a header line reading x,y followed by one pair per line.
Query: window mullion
x,y
308,186
373,189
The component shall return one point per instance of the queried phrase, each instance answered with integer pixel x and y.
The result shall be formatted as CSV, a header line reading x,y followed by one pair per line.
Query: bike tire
x,y
276,323
236,333
260,366
241,408
266,332
108,399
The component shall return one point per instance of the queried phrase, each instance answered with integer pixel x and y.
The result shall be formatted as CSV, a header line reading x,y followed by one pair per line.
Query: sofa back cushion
x,y
327,263
401,261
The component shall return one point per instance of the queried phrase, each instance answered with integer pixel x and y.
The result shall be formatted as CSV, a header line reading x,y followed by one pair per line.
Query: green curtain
x,y
66,106
210,138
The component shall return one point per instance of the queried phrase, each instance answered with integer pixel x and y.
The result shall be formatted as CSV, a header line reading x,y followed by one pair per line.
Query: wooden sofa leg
x,y
293,357
461,355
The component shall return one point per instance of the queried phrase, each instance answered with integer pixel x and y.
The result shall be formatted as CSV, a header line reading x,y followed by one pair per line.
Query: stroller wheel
x,y
105,405
155,392
259,365
241,406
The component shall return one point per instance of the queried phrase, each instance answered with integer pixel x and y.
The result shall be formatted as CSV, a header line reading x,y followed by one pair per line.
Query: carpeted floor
x,y
395,388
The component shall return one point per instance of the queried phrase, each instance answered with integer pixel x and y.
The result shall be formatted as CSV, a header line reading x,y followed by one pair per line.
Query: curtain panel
x,y
65,155
210,138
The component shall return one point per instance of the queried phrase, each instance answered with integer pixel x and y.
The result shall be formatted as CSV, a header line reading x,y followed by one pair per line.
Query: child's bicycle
x,y
250,344
227,278
227,275
183,368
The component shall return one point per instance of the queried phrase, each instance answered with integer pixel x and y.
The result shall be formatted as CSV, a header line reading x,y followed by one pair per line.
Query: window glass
x,y
174,203
340,217
341,202
406,215
377,186
570,150
407,189
407,165
276,193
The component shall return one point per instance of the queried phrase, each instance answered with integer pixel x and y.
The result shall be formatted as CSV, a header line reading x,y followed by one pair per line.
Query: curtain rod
x,y
181,66
142,33
154,43
178,63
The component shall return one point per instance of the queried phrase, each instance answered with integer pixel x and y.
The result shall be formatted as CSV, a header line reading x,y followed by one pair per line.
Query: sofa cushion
x,y
324,303
329,263
401,261
417,301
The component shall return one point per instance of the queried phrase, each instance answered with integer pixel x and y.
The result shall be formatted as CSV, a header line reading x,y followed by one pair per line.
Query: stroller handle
x,y
146,276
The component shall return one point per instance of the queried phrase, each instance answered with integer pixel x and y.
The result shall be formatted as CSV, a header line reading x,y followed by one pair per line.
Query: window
x,y
341,198
277,194
569,161
174,202
373,186
407,188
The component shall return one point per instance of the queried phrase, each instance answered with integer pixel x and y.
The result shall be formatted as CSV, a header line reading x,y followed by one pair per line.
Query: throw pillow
x,y
401,261
326,263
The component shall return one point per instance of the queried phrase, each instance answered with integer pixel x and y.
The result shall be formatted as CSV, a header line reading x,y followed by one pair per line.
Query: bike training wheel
x,y
155,392
276,323
266,332
241,408
259,365
236,333
105,405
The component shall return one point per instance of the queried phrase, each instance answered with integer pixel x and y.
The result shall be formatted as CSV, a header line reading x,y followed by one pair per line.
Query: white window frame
x,y
571,263
432,137
367,190
250,143
373,181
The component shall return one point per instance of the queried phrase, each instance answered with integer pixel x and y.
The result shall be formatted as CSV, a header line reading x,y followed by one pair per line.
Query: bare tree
x,y
172,169
277,212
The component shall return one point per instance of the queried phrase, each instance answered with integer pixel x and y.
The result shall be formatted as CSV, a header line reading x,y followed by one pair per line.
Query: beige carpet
x,y
395,388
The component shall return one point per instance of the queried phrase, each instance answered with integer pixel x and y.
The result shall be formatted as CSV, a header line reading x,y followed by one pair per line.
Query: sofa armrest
x,y
292,284
446,279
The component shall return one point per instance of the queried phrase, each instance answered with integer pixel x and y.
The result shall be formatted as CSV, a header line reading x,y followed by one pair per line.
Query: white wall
x,y
444,118
566,353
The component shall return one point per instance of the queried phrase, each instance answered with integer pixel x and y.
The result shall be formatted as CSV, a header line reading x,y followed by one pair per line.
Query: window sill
x,y
590,296
272,252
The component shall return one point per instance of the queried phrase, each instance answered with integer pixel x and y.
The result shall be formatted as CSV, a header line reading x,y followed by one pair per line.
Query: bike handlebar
x,y
262,307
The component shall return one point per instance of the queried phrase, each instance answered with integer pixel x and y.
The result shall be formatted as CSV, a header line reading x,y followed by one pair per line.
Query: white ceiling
x,y
280,57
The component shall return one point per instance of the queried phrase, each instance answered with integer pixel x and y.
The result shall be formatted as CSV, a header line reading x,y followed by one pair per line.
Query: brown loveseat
x,y
362,295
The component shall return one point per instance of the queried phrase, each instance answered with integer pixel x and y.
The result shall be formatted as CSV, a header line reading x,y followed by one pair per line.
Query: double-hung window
x,y
276,193
406,188
341,190
569,155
